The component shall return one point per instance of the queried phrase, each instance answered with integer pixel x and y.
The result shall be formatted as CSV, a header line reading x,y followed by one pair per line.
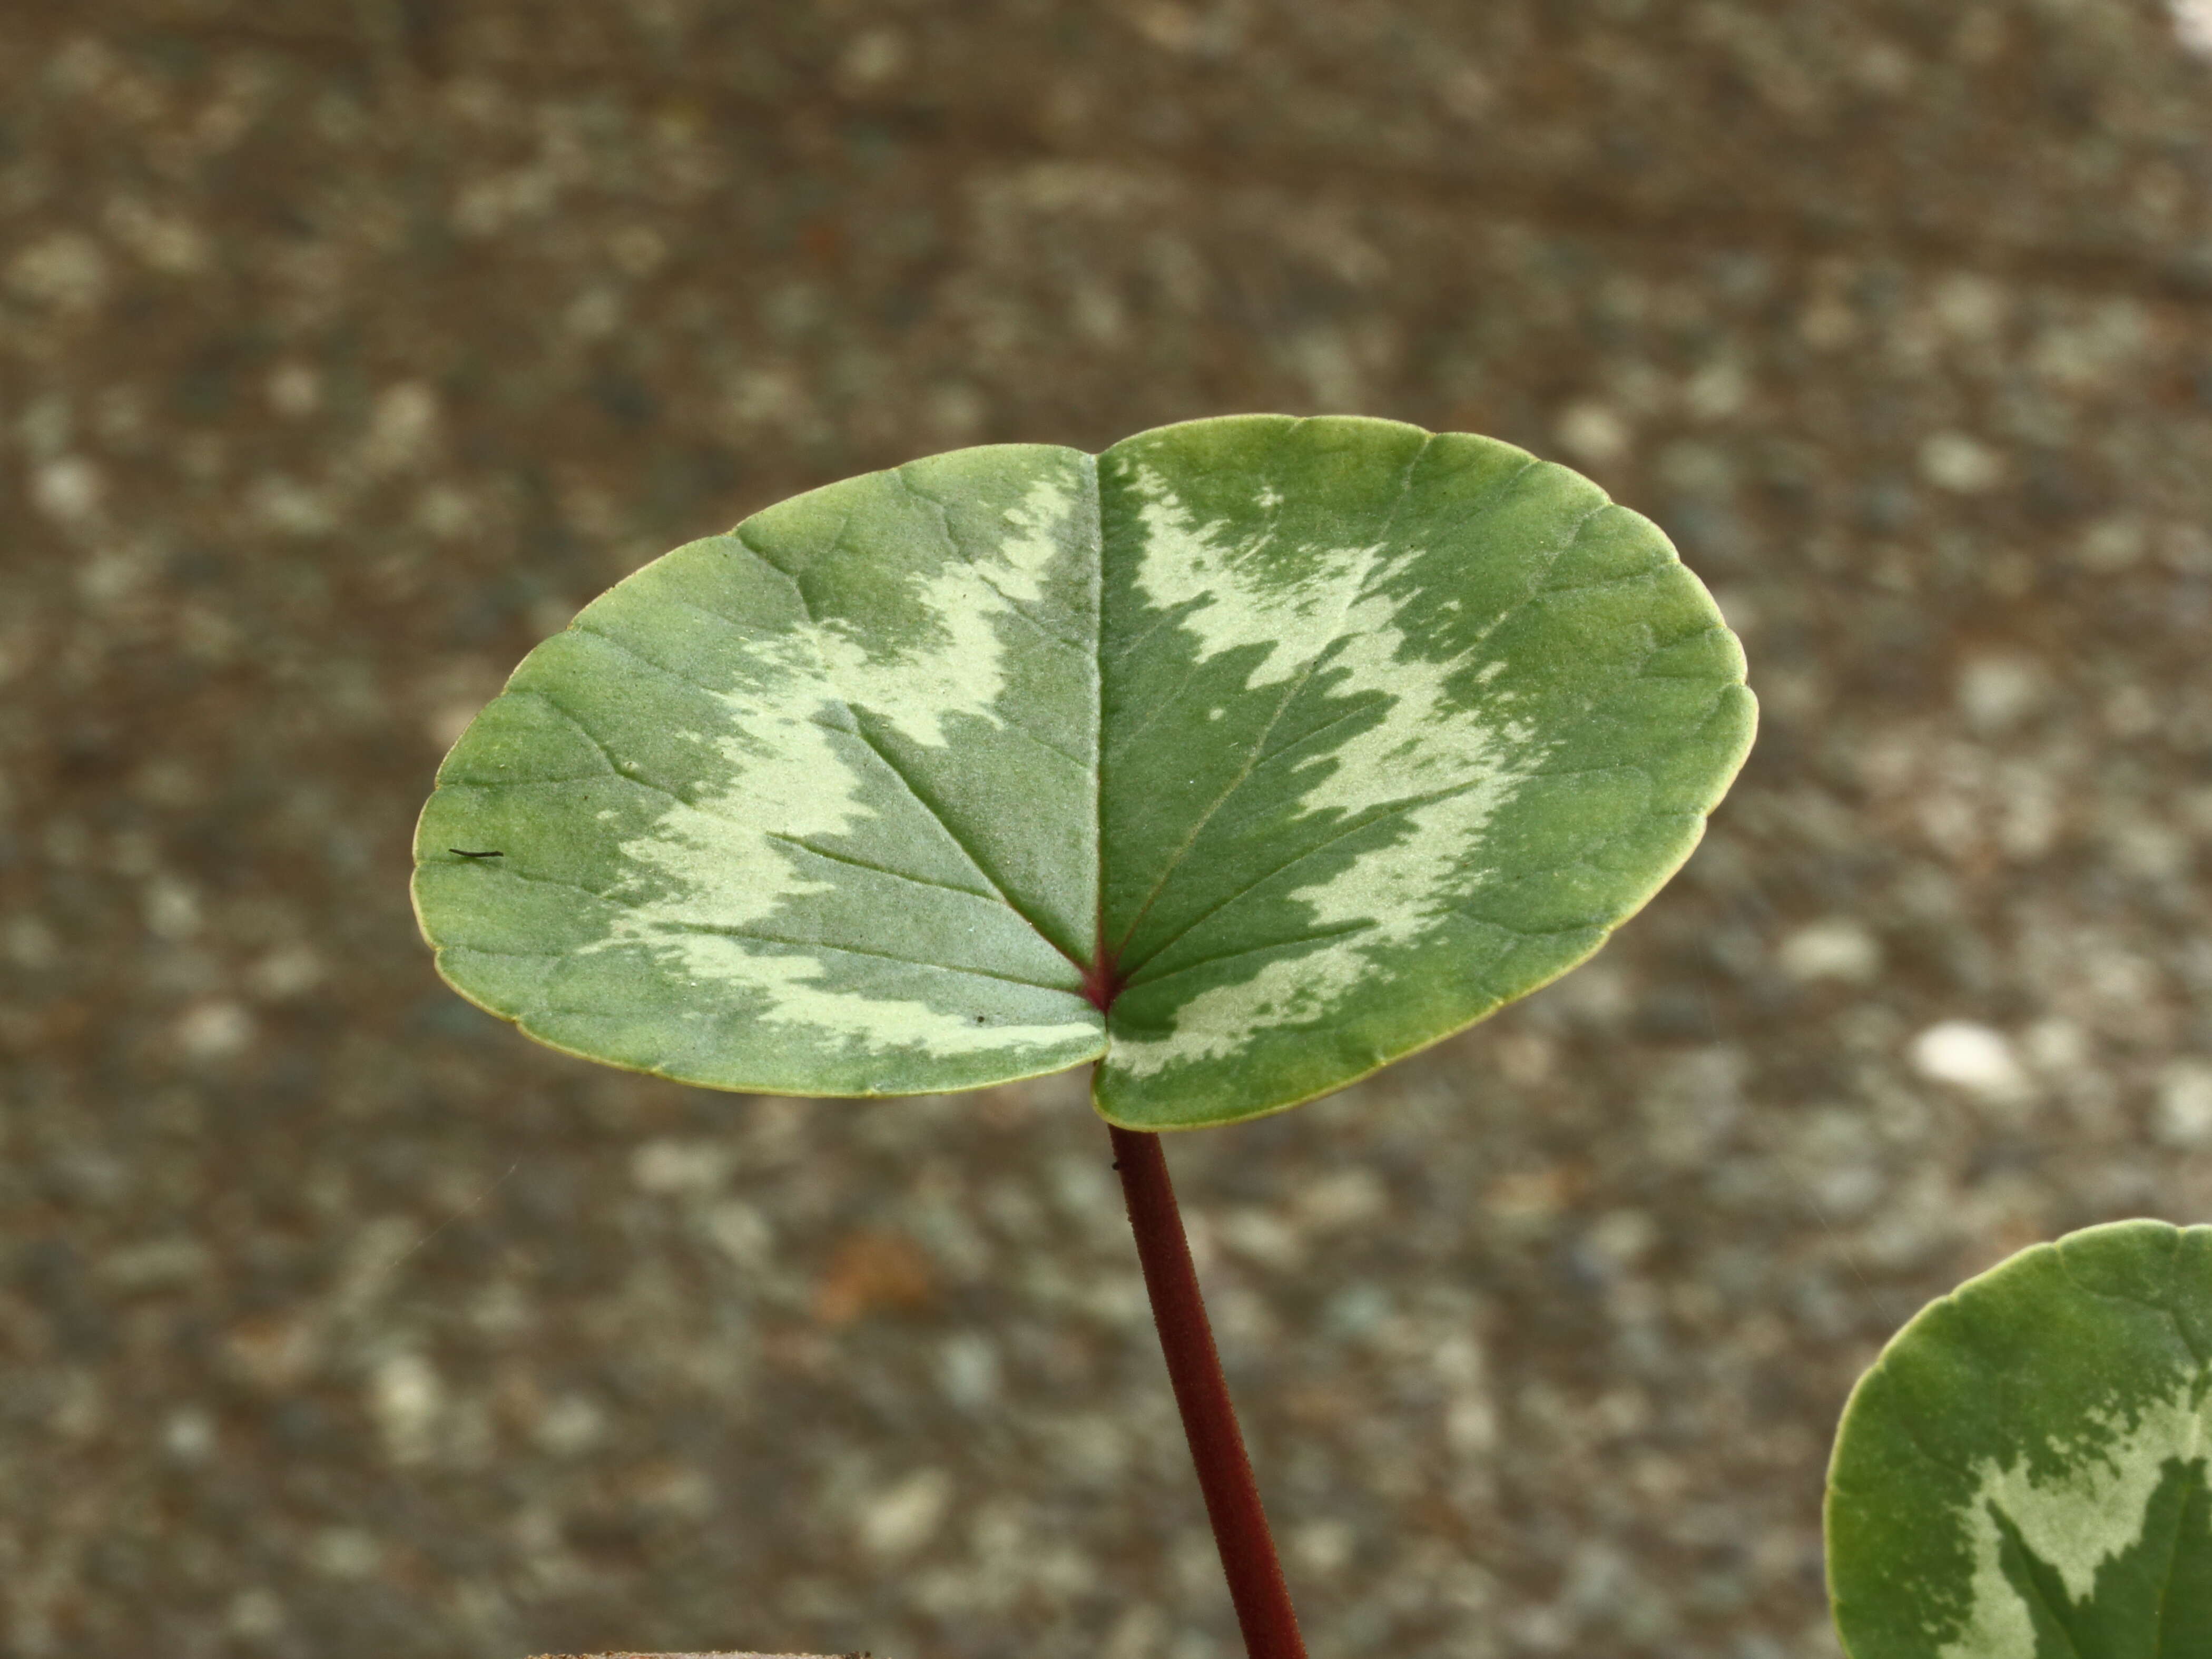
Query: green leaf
x,y
1244,758
2024,1473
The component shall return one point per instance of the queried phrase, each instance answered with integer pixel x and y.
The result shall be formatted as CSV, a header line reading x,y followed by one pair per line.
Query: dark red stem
x,y
1209,1421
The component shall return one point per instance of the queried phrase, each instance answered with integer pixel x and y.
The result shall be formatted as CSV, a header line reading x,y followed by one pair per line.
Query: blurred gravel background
x,y
346,347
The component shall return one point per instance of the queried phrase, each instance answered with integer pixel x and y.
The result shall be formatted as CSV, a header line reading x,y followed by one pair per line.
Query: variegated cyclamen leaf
x,y
2027,1471
1244,758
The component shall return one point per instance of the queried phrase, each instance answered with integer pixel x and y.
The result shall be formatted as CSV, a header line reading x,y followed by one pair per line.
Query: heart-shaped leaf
x,y
1244,757
2024,1473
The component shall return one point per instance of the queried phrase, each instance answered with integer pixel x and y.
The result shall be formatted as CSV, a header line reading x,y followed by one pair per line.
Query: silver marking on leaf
x,y
2075,1521
1427,745
715,863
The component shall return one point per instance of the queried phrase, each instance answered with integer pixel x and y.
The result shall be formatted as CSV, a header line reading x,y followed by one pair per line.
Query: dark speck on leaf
x,y
458,853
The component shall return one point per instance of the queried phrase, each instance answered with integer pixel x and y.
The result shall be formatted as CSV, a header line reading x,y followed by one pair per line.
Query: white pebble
x,y
406,1396
1971,1056
903,1517
1963,465
1835,947
1592,432
679,1166
2192,25
1996,691
214,1031
68,490
2184,1104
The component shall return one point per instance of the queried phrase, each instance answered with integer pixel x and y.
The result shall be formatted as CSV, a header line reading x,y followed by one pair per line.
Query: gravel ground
x,y
344,351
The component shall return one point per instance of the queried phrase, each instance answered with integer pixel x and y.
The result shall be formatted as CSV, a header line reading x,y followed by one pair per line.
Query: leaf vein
x,y
881,870
808,944
1351,828
931,807
636,655
1251,951
953,541
860,731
